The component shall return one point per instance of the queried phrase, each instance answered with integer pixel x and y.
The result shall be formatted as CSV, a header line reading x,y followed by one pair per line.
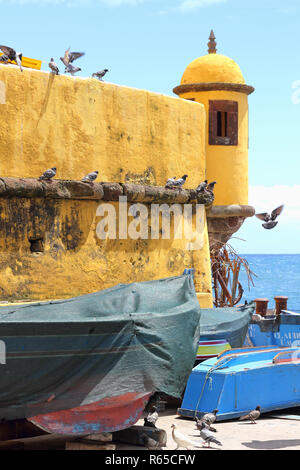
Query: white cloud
x,y
188,5
266,198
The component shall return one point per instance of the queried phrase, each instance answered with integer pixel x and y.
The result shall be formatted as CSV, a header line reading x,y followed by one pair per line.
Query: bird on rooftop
x,y
152,417
211,186
72,70
89,178
48,174
69,57
202,186
11,54
252,416
270,218
181,440
207,435
53,66
170,182
180,182
100,75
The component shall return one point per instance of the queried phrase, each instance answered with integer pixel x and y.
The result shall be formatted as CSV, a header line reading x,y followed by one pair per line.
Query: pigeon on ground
x,y
100,75
211,186
252,416
69,57
53,67
48,174
150,443
210,418
152,417
181,440
202,186
90,177
199,425
72,70
170,183
11,54
180,182
270,218
207,436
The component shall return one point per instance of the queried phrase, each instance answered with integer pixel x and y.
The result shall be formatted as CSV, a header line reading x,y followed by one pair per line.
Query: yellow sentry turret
x,y
217,82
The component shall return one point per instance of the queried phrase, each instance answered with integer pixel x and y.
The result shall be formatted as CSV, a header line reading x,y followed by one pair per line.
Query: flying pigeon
x,y
53,66
150,443
71,69
180,182
270,218
152,417
90,177
202,186
170,182
252,416
48,174
207,436
11,54
210,186
181,440
100,74
69,57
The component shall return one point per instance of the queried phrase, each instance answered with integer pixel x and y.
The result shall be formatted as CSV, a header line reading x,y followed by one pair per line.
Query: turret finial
x,y
212,45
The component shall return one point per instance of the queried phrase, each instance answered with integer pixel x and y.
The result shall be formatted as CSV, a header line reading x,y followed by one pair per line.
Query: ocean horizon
x,y
274,274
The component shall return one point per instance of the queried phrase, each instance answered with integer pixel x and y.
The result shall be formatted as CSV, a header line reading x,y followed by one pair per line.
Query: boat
x,y
282,329
223,329
90,364
240,379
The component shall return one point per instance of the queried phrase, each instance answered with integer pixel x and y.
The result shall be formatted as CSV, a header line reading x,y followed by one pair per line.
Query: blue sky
x,y
148,43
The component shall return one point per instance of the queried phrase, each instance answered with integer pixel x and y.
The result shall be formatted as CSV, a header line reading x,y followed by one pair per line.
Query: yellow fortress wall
x,y
80,125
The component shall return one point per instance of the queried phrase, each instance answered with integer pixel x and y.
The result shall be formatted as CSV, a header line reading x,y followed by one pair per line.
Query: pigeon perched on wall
x,y
252,416
11,54
152,417
4,58
180,182
270,218
90,177
211,186
72,70
207,435
48,174
100,75
170,183
53,66
202,186
181,440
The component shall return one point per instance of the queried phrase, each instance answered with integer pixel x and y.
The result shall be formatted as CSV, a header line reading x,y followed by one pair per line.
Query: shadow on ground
x,y
275,444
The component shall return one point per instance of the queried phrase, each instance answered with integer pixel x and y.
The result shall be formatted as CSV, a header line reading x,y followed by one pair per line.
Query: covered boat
x,y
222,329
89,364
241,379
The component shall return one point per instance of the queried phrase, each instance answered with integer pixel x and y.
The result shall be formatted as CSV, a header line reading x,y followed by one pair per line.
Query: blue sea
x,y
275,275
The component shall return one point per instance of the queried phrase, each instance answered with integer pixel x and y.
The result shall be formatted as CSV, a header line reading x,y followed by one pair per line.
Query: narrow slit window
x,y
223,122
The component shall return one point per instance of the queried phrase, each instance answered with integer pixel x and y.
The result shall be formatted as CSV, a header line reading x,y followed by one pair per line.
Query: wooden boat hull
x,y
240,379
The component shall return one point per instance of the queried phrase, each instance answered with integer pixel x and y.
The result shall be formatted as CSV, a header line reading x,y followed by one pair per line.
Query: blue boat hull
x,y
239,380
283,331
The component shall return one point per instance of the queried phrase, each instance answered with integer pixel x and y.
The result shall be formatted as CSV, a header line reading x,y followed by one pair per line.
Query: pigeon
x,y
210,418
210,186
252,416
202,186
100,75
180,182
150,443
69,57
181,440
53,66
4,58
11,54
170,182
270,218
90,177
207,436
48,174
152,417
71,69
199,425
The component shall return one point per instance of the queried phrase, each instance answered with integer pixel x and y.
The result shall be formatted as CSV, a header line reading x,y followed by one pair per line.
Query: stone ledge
x,y
233,210
70,189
